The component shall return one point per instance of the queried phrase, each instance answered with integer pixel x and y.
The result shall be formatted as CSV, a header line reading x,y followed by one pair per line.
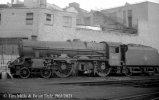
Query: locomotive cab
x,y
117,58
114,54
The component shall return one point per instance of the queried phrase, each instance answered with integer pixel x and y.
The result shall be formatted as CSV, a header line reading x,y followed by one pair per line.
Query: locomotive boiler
x,y
72,57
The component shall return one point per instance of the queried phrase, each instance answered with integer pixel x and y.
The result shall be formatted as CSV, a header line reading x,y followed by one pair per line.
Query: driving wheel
x,y
102,69
63,69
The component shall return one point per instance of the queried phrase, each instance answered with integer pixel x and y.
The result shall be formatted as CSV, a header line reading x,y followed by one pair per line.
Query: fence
x,y
8,52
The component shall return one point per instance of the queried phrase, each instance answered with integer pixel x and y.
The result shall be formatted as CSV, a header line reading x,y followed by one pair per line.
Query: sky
x,y
91,4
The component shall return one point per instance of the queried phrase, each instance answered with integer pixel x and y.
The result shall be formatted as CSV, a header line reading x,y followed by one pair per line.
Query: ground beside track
x,y
64,89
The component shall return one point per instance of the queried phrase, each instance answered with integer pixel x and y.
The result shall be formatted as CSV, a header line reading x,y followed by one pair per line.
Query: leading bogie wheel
x,y
24,72
46,73
63,69
102,69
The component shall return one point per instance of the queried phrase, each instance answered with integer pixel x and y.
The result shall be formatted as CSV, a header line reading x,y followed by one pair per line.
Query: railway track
x,y
41,86
147,96
133,83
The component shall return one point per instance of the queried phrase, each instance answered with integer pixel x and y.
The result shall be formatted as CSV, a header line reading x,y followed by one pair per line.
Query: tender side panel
x,y
142,56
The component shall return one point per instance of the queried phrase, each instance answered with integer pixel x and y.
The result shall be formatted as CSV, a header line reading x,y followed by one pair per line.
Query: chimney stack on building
x,y
35,3
74,4
43,3
12,3
15,1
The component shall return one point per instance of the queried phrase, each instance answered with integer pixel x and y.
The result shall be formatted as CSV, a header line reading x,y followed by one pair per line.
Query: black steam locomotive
x,y
72,57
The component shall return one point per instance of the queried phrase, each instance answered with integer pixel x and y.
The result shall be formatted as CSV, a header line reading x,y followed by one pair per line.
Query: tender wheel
x,y
103,70
156,70
46,73
149,71
24,72
63,69
127,71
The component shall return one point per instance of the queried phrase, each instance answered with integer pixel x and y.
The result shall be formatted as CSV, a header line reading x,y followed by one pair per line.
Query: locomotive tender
x,y
71,57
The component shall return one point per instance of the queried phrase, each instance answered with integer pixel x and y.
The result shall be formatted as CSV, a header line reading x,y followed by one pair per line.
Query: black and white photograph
x,y
79,49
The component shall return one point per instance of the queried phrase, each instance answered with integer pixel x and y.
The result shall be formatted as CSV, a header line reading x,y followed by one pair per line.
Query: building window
x,y
67,21
117,50
124,17
78,21
129,12
87,21
29,18
48,17
130,21
129,18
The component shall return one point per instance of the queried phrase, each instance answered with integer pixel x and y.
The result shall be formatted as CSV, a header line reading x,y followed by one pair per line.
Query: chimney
x,y
15,1
43,3
74,4
9,4
35,3
12,2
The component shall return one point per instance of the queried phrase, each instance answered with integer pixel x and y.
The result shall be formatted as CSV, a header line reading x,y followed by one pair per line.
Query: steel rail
x,y
136,96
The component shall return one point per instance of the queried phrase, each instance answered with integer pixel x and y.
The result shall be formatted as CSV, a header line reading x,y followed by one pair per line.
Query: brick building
x,y
124,19
82,15
132,23
34,18
129,15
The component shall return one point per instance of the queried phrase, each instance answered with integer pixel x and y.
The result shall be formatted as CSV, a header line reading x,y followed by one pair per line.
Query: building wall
x,y
152,36
153,12
98,36
57,30
139,12
13,23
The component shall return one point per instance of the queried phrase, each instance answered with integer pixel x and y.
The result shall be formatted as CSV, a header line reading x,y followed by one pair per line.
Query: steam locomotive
x,y
72,57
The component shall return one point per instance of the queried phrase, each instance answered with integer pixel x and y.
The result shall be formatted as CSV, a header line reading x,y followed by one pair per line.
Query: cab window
x,y
114,49
117,50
